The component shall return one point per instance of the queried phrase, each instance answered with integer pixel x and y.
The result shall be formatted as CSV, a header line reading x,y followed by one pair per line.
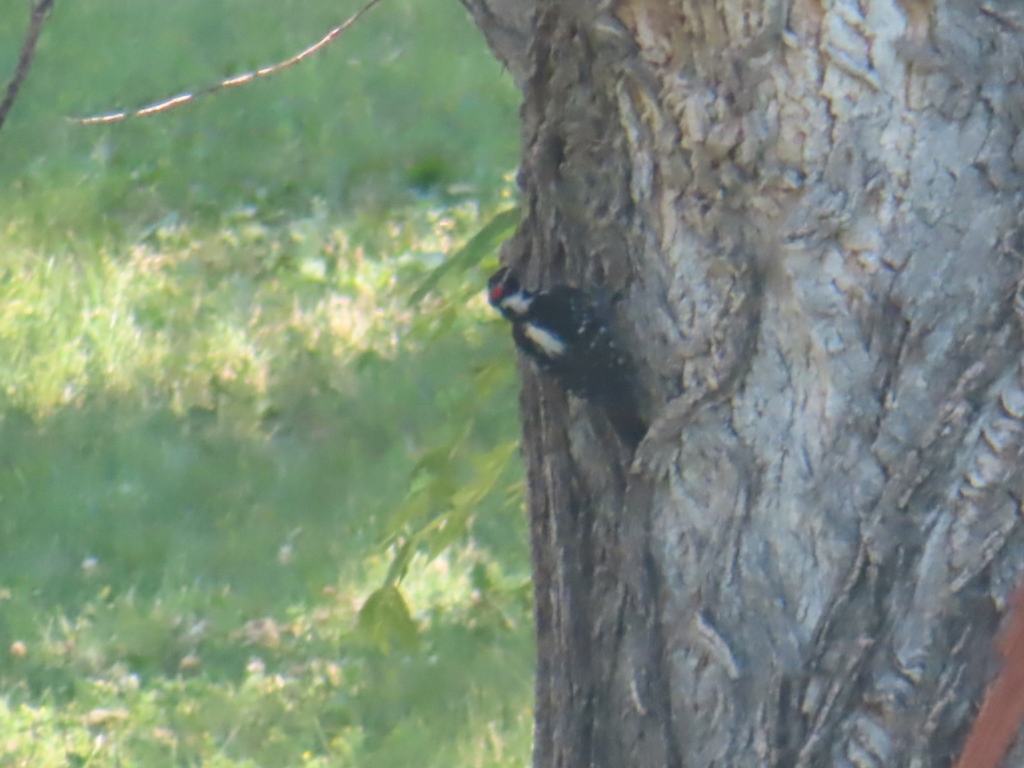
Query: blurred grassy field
x,y
257,509
409,99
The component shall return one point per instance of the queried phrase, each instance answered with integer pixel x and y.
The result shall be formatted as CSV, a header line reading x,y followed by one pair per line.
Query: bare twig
x,y
28,52
231,82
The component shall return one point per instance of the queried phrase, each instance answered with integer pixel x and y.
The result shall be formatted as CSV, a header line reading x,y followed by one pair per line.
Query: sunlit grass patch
x,y
191,313
187,678
222,418
205,438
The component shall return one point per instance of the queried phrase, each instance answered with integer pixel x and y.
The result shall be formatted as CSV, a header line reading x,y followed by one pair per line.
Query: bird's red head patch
x,y
498,285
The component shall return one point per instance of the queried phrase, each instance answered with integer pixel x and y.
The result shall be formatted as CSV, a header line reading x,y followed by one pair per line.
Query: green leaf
x,y
400,564
451,526
493,234
410,512
445,530
385,620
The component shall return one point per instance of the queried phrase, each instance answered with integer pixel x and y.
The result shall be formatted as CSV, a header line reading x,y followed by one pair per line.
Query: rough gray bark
x,y
812,210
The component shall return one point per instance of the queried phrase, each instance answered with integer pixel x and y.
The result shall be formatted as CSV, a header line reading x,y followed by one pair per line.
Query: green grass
x,y
407,102
256,508
210,452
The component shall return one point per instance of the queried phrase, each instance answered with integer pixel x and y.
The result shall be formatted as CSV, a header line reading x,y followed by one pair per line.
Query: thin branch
x,y
28,52
231,82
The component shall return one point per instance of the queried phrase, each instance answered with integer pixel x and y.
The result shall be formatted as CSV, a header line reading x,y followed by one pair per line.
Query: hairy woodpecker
x,y
567,334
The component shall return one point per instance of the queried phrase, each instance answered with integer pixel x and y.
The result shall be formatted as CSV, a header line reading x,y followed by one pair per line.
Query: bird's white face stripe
x,y
517,302
551,344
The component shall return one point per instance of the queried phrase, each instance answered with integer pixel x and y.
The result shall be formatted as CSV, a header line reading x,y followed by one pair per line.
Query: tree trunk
x,y
811,213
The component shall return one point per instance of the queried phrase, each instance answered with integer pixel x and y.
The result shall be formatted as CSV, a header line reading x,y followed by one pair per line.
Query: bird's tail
x,y
622,411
